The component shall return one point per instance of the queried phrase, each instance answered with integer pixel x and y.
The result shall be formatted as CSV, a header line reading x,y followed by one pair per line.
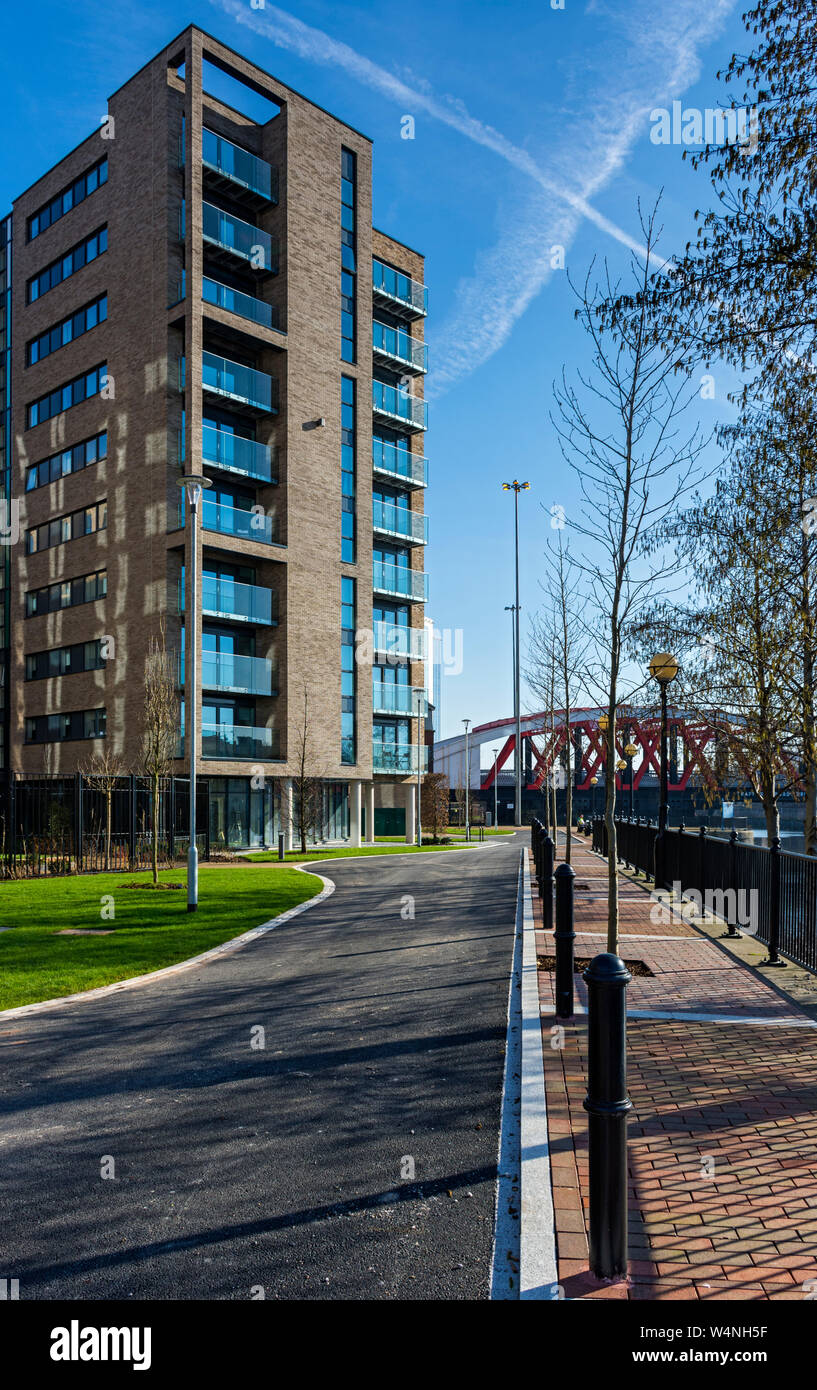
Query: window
x,y
80,255
67,528
67,461
66,593
72,393
348,457
68,198
59,728
348,256
64,332
348,625
65,661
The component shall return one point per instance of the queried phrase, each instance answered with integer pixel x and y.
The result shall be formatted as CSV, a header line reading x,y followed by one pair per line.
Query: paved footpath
x,y
723,1131
354,1156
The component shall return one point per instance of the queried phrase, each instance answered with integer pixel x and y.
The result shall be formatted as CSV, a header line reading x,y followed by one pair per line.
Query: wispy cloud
x,y
660,60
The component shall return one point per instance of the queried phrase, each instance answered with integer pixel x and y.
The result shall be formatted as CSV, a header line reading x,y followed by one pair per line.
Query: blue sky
x,y
532,129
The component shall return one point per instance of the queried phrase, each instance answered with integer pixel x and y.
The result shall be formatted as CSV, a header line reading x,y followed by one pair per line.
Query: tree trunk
x,y
612,844
108,799
568,787
154,839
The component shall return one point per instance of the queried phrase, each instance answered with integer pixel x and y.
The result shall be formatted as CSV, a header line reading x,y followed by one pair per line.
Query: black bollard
x,y
774,906
546,882
564,937
280,847
732,927
607,1104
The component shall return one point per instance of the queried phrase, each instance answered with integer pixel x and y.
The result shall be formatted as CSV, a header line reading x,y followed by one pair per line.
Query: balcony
x,y
243,386
240,603
228,238
390,520
393,403
398,757
232,454
246,525
398,699
238,675
391,639
404,296
243,742
399,582
392,461
396,346
236,171
246,306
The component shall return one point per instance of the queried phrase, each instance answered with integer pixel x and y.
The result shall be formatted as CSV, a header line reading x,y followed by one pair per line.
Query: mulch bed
x,y
580,963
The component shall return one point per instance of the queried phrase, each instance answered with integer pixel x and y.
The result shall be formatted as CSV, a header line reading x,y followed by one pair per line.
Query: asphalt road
x,y
283,1167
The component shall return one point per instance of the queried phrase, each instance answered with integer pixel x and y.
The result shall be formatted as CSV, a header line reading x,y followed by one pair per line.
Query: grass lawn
x,y
267,856
151,929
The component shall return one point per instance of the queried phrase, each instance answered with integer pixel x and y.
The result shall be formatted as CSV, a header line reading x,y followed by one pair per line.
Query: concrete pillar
x,y
286,812
370,813
354,814
411,813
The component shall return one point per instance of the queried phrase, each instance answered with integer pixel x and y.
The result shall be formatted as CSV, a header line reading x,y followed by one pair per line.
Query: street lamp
x,y
594,782
193,485
420,724
631,750
663,668
495,752
466,722
516,487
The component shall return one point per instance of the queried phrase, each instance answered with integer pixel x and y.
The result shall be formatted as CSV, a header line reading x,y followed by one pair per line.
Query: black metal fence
x,y
59,825
757,890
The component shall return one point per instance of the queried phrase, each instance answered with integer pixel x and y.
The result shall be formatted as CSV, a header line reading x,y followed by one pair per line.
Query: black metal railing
x,y
761,891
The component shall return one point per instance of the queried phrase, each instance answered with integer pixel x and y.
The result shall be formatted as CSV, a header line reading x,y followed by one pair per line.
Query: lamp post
x,y
466,722
495,752
516,487
663,668
420,719
594,782
631,750
193,485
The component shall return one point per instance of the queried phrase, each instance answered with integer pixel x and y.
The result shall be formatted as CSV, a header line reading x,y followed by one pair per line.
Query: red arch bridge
x,y
697,756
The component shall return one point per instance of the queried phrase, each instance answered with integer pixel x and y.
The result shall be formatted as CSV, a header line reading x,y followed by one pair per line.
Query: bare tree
x,y
102,773
619,431
160,728
435,803
307,784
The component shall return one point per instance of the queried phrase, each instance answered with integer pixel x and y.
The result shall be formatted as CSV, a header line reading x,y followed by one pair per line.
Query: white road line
x,y
681,1017
538,1270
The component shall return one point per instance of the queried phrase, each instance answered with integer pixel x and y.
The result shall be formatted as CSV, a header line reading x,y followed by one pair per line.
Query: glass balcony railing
x,y
238,165
398,757
236,382
398,462
394,579
238,238
226,598
400,405
233,454
392,520
398,699
245,305
240,675
404,294
247,525
391,639
399,346
241,741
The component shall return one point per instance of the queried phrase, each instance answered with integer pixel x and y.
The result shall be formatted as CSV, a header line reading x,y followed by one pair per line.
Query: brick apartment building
x,y
195,290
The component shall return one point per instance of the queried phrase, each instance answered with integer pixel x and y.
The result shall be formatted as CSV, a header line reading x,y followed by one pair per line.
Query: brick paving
x,y
722,1138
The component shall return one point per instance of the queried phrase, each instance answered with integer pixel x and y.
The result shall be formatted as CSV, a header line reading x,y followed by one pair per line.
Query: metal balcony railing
x,y
388,578
397,404
403,294
238,675
397,345
233,454
237,382
393,520
247,525
225,598
395,461
398,757
236,237
245,305
398,699
391,639
239,165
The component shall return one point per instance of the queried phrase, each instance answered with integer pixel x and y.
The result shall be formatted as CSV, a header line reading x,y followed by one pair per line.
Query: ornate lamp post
x,y
193,485
495,752
594,782
631,750
663,668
